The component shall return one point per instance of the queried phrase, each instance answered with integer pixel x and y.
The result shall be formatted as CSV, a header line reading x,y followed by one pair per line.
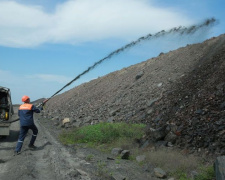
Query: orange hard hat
x,y
25,98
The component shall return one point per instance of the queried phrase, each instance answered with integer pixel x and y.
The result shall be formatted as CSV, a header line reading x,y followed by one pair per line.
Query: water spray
x,y
178,30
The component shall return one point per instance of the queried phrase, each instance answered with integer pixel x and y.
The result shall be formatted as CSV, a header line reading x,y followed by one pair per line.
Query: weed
x,y
102,133
90,157
101,169
117,161
172,160
207,173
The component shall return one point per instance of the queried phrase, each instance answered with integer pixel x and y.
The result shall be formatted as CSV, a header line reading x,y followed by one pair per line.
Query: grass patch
x,y
206,173
180,166
102,133
173,160
105,136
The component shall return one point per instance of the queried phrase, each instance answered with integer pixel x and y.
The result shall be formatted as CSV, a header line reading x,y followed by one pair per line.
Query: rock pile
x,y
195,106
180,95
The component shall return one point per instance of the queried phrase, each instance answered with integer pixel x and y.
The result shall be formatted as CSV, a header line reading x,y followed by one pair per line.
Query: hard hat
x,y
25,98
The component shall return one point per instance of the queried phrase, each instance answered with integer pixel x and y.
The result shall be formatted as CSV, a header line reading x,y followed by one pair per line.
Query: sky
x,y
45,44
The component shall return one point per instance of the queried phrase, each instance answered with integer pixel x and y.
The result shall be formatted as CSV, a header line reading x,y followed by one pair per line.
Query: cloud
x,y
79,21
35,86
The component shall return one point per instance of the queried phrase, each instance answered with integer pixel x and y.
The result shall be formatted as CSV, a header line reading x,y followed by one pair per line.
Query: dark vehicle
x,y
6,111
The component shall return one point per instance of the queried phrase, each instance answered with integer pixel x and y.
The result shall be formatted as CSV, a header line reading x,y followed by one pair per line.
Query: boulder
x,y
139,75
125,154
220,168
159,134
171,137
65,120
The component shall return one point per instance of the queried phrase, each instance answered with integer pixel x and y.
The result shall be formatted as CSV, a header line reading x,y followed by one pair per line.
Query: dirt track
x,y
49,161
53,161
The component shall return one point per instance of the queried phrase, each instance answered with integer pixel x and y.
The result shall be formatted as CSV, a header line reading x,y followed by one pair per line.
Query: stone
x,y
220,168
140,158
116,151
145,144
160,173
55,118
87,119
151,102
110,120
171,137
56,123
199,111
222,106
65,120
159,134
150,111
169,144
125,154
76,124
113,112
139,75
160,84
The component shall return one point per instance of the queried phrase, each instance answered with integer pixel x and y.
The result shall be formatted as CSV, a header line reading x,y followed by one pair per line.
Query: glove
x,y
41,107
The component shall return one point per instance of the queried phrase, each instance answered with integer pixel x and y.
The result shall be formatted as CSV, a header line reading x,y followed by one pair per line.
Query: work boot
x,y
17,153
32,146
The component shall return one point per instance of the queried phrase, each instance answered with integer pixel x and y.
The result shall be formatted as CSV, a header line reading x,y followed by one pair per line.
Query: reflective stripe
x,y
25,106
20,141
34,135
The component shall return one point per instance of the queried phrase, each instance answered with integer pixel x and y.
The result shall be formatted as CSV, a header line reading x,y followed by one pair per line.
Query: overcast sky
x,y
45,44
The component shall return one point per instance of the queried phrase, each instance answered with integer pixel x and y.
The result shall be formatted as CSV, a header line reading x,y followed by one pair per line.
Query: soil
x,y
52,160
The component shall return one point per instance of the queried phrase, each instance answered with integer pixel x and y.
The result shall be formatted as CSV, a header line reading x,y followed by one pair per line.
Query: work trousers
x,y
23,133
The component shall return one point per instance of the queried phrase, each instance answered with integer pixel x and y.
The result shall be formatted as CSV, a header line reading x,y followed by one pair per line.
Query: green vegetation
x,y
206,173
90,157
102,133
106,136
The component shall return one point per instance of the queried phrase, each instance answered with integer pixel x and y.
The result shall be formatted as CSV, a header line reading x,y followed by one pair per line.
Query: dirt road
x,y
53,161
49,161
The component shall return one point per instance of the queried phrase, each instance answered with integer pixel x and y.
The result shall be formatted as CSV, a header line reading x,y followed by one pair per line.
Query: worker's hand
x,y
41,107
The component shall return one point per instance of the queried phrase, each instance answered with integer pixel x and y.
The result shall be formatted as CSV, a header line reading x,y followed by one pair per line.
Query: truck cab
x,y
6,111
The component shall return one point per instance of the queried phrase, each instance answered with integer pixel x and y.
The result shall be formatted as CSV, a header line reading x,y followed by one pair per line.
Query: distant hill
x,y
38,101
184,89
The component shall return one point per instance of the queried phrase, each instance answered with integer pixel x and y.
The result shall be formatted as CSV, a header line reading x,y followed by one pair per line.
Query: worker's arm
x,y
37,110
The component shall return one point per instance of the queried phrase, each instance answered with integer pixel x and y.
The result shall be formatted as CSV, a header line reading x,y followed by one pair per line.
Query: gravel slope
x,y
184,87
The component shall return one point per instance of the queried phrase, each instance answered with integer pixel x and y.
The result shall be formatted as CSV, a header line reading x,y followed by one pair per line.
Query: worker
x,y
25,113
